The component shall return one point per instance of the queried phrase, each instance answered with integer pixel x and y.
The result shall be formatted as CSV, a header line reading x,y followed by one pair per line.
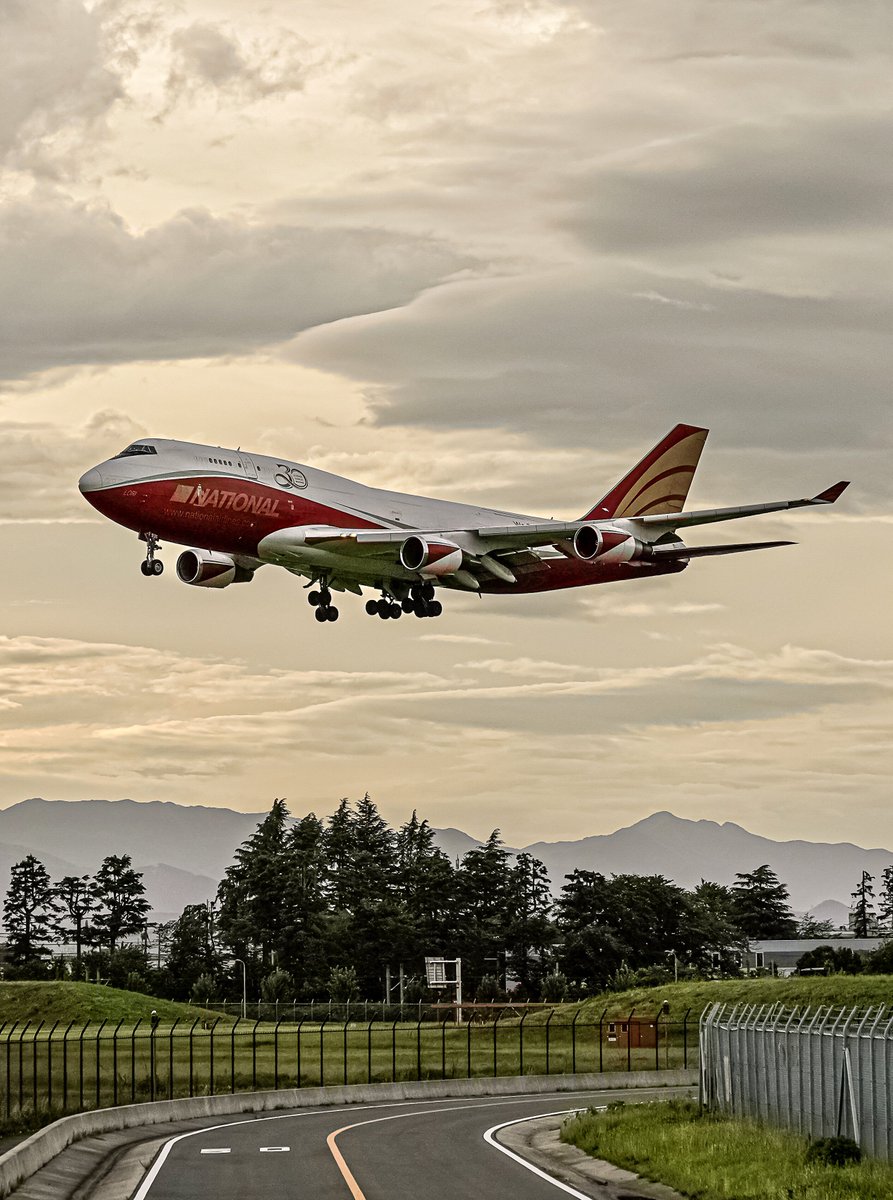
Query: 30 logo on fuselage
x,y
222,498
290,477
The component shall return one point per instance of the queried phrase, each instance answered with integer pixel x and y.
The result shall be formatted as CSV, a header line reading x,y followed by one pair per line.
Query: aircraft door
x,y
246,462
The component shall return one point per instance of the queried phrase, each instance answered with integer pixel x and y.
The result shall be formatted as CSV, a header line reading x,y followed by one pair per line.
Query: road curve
x,y
396,1151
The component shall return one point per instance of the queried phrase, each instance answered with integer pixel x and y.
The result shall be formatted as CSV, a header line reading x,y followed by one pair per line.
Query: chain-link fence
x,y
819,1071
60,1068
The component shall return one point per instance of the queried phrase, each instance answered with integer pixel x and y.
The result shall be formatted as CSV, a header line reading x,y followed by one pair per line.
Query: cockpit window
x,y
137,448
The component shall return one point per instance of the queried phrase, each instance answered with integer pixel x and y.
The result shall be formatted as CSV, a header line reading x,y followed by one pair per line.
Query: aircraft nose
x,y
90,481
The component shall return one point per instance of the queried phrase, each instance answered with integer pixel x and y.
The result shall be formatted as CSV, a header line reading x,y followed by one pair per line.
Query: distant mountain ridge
x,y
184,851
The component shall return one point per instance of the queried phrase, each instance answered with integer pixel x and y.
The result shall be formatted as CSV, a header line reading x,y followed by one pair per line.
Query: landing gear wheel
x,y
157,566
320,614
331,613
396,611
408,605
313,598
428,591
435,608
372,607
146,567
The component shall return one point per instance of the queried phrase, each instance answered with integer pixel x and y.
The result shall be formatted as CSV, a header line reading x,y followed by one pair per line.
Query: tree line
x,y
318,908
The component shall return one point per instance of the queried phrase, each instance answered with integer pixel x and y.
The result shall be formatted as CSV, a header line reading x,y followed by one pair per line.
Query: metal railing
x,y
818,1071
61,1068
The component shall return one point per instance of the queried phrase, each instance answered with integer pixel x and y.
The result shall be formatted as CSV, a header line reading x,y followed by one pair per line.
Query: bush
x,y
343,984
834,1151
278,985
555,987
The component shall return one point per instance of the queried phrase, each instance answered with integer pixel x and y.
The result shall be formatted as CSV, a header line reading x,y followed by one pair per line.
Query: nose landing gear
x,y
150,564
322,601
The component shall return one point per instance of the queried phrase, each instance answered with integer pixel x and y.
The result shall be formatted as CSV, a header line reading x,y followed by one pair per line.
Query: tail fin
x,y
660,482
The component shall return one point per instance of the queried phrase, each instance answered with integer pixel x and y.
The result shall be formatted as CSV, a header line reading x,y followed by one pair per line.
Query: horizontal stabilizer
x,y
680,551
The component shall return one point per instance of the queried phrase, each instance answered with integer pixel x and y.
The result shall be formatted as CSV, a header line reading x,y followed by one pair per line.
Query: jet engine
x,y
207,568
429,557
606,545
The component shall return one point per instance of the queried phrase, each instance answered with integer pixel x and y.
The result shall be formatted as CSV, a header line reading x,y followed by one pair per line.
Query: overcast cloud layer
x,y
489,250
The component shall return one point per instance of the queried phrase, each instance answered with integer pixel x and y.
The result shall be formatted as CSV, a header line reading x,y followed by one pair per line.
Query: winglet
x,y
829,495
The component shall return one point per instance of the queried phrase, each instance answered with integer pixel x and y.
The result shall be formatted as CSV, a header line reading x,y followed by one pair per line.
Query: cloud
x,y
58,87
209,58
196,285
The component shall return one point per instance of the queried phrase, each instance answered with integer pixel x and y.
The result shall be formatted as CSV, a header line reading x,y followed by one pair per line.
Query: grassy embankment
x,y
246,1055
717,1158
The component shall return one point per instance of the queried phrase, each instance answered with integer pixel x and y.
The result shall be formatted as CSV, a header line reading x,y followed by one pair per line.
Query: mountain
x,y
688,851
184,851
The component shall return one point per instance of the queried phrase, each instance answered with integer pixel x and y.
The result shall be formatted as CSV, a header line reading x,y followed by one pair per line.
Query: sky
x,y
488,250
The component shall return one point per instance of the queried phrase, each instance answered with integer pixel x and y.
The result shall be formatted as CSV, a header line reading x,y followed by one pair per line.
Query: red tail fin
x,y
660,482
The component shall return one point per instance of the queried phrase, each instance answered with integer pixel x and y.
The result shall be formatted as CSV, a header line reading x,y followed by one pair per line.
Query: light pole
x,y
244,987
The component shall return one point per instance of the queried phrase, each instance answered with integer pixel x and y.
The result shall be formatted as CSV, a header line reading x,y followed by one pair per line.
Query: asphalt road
x,y
401,1151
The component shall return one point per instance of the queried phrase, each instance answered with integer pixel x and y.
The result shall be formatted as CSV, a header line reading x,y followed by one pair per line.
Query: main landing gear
x,y
322,601
150,564
421,601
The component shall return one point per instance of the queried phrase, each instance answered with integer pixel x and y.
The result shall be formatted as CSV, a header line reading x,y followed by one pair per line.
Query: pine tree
x,y
191,953
75,901
528,932
761,905
885,899
28,910
863,918
121,907
483,910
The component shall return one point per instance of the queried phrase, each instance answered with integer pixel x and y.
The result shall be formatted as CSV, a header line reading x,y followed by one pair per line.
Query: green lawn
x,y
717,1158
61,1001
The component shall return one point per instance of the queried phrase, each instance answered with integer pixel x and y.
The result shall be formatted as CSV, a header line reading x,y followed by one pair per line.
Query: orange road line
x,y
342,1166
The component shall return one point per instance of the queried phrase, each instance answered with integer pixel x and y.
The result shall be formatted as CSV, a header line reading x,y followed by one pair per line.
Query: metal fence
x,y
61,1068
819,1071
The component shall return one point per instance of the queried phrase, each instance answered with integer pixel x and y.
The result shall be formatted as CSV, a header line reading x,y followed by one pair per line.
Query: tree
x,y
885,899
528,931
716,943
75,900
483,896
28,910
191,954
761,905
880,962
862,917
833,960
121,906
809,927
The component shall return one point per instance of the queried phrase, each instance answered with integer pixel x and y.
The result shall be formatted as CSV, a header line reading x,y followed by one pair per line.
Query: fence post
x,y
322,1026
548,1023
346,1027
443,1026
191,1058
81,1066
64,1067
11,1031
574,1042
685,1040
50,1066
232,1056
394,1051
298,1050
521,1041
418,1045
629,1040
152,1029
369,1050
214,1025
34,1064
25,1028
132,1060
115,1062
98,1070
276,1057
254,1055
657,1039
601,1040
470,1015
170,1059
496,1017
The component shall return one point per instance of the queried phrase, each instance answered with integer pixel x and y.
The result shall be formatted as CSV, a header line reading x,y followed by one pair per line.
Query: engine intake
x,y
426,557
606,545
207,568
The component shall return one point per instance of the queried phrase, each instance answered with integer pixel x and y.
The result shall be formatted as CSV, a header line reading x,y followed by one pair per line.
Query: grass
x,y
33,1001
794,991
713,1157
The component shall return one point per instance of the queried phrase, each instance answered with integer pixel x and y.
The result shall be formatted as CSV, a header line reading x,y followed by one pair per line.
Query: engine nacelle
x,y
606,545
429,557
208,568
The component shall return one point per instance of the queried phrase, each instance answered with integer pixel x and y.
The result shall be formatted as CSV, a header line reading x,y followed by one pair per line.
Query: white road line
x,y
490,1139
216,1150
165,1150
275,1149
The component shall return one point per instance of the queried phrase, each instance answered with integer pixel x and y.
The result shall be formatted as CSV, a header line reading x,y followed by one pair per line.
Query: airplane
x,y
237,512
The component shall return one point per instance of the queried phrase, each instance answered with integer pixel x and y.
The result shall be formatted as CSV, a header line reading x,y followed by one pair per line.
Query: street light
x,y
244,987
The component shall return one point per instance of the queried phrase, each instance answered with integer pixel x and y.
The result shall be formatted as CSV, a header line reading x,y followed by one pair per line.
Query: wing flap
x,y
678,551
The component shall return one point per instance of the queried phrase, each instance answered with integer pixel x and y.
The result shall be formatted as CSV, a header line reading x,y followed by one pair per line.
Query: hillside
x,y
82,1002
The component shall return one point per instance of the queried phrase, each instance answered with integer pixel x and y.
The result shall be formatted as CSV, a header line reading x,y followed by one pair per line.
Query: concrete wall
x,y
29,1156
